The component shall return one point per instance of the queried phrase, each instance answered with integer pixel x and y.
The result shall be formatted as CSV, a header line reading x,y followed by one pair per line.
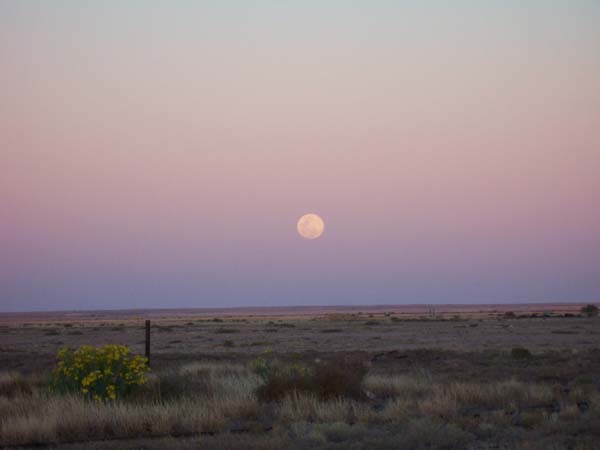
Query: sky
x,y
159,153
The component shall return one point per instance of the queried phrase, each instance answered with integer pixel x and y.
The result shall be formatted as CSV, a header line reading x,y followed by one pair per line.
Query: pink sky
x,y
159,154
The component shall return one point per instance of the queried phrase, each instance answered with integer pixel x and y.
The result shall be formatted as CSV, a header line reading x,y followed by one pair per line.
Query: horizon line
x,y
305,307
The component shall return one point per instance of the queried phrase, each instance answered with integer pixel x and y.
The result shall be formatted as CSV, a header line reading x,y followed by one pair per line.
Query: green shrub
x,y
590,310
100,373
332,379
266,369
226,330
520,353
339,378
281,379
261,367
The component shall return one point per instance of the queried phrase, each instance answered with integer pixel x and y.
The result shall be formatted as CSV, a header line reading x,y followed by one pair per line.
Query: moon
x,y
310,226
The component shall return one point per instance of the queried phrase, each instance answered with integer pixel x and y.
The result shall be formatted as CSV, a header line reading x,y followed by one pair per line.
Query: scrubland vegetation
x,y
324,404
523,397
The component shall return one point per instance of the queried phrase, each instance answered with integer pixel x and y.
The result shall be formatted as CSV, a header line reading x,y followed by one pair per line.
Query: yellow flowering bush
x,y
100,373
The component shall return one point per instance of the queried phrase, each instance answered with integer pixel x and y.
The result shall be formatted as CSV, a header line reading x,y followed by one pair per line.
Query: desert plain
x,y
449,377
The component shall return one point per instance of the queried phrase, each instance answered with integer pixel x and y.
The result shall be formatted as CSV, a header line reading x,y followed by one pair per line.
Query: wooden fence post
x,y
148,341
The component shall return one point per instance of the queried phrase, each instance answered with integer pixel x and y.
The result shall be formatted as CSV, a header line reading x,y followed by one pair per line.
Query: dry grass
x,y
340,433
397,410
415,410
70,418
413,398
452,399
430,433
42,417
209,367
15,384
223,441
204,381
397,385
457,396
298,407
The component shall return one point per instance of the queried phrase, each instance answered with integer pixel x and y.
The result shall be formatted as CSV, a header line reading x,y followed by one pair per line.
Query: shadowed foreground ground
x,y
473,382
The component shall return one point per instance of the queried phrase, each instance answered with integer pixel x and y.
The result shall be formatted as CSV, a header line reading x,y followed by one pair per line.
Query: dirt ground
x,y
29,342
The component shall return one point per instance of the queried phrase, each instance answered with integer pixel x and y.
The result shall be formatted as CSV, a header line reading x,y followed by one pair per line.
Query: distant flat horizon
x,y
441,307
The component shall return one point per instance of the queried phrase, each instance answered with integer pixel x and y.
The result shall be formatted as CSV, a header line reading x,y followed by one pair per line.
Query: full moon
x,y
310,226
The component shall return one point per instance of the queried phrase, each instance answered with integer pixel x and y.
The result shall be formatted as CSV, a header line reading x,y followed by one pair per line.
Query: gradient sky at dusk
x,y
159,154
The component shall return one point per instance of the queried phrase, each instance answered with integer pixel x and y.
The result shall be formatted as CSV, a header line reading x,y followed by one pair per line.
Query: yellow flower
x,y
100,372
